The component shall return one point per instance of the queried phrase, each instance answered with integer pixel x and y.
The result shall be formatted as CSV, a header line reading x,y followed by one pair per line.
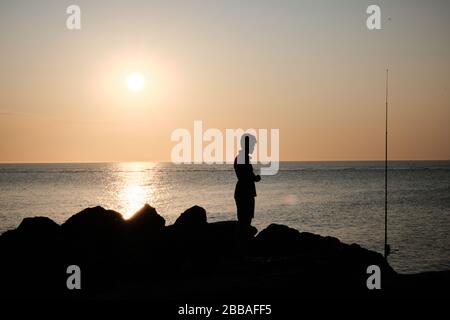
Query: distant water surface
x,y
340,199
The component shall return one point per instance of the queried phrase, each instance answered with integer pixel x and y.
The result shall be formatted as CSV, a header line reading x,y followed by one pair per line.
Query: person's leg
x,y
244,209
238,208
251,210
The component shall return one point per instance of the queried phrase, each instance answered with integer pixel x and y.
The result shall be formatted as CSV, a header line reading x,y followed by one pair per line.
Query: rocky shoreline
x,y
192,259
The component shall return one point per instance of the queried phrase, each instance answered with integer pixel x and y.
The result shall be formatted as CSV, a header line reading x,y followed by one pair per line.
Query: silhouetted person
x,y
245,191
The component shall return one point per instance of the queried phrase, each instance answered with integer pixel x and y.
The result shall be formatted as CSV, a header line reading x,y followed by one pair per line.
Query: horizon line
x,y
150,161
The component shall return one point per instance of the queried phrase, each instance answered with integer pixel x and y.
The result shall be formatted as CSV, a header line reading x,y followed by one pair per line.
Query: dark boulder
x,y
187,237
94,231
95,240
144,243
31,259
229,237
226,229
281,240
277,240
325,259
33,231
35,235
191,258
38,226
354,258
95,221
193,217
146,219
311,243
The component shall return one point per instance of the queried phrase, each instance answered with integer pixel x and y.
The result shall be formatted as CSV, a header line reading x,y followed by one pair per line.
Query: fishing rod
x,y
387,247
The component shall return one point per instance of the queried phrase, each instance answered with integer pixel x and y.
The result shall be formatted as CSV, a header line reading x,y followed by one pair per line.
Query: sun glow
x,y
133,198
127,79
135,82
136,187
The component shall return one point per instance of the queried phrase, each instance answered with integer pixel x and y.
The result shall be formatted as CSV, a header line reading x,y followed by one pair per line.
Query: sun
x,y
135,82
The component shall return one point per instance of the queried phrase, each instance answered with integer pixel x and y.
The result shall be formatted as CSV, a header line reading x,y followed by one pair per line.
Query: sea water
x,y
339,199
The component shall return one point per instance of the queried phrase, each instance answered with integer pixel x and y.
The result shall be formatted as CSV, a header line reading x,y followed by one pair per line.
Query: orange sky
x,y
308,68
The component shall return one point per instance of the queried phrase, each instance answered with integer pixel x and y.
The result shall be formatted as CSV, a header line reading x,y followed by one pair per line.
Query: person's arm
x,y
255,177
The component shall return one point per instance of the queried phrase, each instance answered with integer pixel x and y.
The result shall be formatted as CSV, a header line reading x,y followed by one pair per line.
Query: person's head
x,y
251,140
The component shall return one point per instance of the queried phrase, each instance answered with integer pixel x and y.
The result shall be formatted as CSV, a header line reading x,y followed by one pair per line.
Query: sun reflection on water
x,y
132,198
136,186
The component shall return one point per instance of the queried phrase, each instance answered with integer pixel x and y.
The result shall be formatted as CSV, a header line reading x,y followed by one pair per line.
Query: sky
x,y
311,69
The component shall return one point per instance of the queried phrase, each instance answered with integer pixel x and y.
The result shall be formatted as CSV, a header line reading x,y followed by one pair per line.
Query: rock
x,y
229,237
38,226
227,229
96,220
280,240
96,240
30,258
95,230
144,240
201,244
355,259
142,258
188,236
147,219
193,217
277,240
324,257
33,233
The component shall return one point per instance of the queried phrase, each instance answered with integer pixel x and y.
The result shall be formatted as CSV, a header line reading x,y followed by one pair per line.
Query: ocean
x,y
339,199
